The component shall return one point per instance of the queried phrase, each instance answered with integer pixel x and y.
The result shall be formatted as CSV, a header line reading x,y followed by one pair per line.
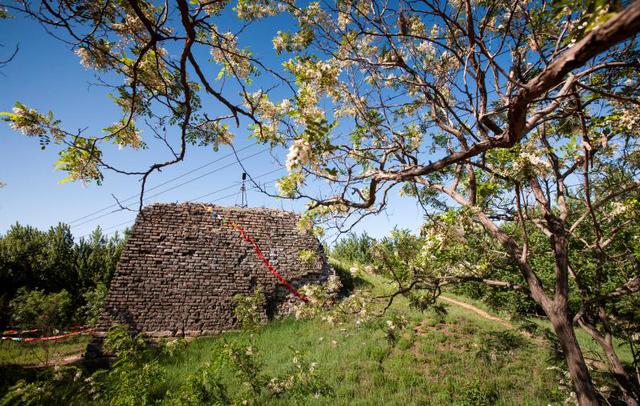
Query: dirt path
x,y
477,311
594,364
57,360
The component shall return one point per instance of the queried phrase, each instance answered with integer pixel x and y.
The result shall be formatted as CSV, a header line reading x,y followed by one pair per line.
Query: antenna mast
x,y
243,192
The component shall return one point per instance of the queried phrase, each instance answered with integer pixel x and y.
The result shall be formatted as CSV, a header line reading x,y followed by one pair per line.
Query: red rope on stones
x,y
75,333
260,255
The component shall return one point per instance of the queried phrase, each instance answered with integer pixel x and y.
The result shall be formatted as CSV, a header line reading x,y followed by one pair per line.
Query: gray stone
x,y
181,267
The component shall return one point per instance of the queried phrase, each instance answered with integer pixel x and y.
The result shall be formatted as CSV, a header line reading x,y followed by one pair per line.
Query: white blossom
x,y
299,154
618,208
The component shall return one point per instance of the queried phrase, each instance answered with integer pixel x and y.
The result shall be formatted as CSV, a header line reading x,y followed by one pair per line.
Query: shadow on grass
x,y
11,374
349,282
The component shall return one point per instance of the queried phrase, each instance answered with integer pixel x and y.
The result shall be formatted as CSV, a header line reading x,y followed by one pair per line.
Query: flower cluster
x,y
130,26
321,298
225,51
629,120
528,162
252,10
213,8
313,14
211,133
627,208
248,309
393,326
302,379
300,154
28,121
32,123
95,56
416,26
150,71
173,346
125,134
357,269
284,41
359,304
288,186
308,257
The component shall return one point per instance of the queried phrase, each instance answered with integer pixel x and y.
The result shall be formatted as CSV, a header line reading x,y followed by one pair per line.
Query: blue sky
x,y
46,75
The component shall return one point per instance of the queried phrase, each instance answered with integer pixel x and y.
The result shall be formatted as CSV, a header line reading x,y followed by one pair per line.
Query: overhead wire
x,y
120,207
229,155
131,220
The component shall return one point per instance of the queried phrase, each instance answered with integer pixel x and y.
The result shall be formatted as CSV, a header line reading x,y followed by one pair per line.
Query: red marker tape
x,y
260,255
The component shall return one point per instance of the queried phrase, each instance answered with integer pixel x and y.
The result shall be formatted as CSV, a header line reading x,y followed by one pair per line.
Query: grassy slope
x,y
20,353
461,359
16,358
590,348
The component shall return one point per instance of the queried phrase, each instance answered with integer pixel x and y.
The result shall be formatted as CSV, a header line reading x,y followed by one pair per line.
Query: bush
x,y
45,312
62,385
134,376
94,299
202,388
354,248
51,261
248,309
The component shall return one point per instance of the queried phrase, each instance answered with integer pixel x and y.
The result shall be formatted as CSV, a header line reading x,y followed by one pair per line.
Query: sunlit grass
x,y
460,358
590,348
457,358
39,352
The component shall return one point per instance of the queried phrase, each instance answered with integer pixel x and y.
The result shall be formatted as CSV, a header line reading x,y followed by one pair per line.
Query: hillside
x,y
459,357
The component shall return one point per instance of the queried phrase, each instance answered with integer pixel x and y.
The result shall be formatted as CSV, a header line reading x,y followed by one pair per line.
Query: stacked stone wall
x,y
181,267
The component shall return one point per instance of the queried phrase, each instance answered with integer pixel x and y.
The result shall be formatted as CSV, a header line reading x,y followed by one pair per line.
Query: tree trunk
x,y
578,371
629,392
617,369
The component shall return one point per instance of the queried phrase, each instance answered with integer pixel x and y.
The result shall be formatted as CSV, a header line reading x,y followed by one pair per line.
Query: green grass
x,y
17,359
589,346
459,359
34,353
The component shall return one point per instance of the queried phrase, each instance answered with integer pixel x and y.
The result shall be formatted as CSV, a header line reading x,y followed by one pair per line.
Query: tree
x,y
354,248
45,312
48,313
38,259
155,51
492,111
22,258
97,258
52,261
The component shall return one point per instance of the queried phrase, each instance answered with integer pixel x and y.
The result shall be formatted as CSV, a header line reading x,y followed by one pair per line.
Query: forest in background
x,y
50,274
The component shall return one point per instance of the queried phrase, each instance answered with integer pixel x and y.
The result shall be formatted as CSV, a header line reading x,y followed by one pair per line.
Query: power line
x,y
166,190
163,183
200,197
111,227
234,185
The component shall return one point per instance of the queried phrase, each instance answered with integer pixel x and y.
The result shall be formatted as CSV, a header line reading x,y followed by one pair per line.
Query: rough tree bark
x,y
629,391
556,309
563,327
